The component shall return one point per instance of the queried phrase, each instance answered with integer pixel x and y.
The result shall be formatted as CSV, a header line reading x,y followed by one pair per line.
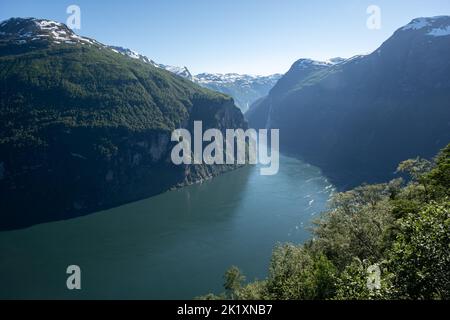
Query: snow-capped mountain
x,y
180,71
227,78
434,26
359,118
31,30
245,89
301,70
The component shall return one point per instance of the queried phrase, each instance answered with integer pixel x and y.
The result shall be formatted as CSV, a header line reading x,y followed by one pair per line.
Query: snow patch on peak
x,y
48,24
337,60
357,57
32,29
180,71
132,54
436,23
304,63
440,32
310,62
417,24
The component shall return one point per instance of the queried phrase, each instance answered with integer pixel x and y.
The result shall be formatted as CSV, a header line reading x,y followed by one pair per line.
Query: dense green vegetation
x,y
81,86
400,229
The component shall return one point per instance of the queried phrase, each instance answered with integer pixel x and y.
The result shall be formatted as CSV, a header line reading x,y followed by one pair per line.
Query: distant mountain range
x,y
86,128
358,118
245,89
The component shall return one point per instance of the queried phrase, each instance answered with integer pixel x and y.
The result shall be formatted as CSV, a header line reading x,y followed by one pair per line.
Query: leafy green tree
x,y
297,273
256,290
416,169
233,282
324,275
420,257
439,176
355,226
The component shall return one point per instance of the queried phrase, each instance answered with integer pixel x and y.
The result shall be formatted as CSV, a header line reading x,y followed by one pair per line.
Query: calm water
x,y
173,246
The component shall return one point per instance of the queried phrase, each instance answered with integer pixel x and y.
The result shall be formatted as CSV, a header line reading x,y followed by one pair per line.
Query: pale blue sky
x,y
244,36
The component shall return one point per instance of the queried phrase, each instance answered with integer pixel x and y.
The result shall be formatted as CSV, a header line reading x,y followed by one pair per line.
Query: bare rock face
x,y
159,146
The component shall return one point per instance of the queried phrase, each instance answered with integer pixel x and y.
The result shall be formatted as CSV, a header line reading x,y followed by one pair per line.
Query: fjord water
x,y
173,246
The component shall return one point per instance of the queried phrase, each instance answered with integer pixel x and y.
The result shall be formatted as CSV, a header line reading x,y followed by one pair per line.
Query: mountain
x,y
86,128
245,89
259,111
358,118
179,71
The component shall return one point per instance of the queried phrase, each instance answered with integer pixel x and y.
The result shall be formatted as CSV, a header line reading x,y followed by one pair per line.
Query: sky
x,y
242,36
